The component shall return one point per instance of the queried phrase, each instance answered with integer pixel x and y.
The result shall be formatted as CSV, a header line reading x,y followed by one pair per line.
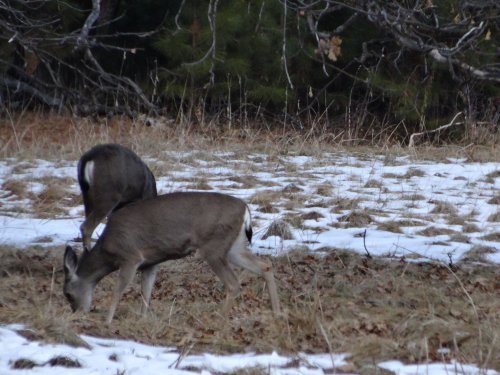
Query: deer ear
x,y
70,260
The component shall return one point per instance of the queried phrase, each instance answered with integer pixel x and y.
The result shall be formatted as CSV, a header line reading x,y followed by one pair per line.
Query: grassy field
x,y
336,301
375,309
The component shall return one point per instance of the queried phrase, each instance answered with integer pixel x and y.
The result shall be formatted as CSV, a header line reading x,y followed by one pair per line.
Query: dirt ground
x,y
333,301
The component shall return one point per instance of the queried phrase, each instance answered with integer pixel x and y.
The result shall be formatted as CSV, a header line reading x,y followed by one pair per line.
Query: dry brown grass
x,y
51,136
311,215
324,189
247,181
266,200
494,217
51,201
393,226
55,197
413,172
494,237
470,228
372,183
15,187
23,363
456,219
295,201
199,184
342,204
22,167
279,228
443,208
478,253
460,237
294,219
474,153
391,175
373,308
412,197
410,223
291,189
432,231
494,174
495,199
356,219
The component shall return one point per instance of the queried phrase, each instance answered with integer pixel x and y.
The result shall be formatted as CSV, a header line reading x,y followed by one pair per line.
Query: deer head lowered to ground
x,y
111,176
143,234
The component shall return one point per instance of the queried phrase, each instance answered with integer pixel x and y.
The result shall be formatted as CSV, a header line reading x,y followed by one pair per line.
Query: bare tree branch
x,y
417,26
46,64
283,51
411,143
212,21
82,39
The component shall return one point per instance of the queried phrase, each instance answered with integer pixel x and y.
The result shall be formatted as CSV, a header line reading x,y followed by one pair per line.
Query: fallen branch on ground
x,y
427,132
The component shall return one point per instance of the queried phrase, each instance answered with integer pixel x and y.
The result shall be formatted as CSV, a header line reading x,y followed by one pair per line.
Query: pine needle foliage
x,y
247,64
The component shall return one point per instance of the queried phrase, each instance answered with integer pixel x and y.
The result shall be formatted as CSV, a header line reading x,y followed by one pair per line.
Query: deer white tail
x,y
88,173
247,224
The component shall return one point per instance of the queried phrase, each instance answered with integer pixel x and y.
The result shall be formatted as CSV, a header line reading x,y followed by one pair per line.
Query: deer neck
x,y
94,265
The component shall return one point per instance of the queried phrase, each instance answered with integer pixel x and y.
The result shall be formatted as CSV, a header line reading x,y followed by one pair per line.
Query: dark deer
x,y
141,235
111,176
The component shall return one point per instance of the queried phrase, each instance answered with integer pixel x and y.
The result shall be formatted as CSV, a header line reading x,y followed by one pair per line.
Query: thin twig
x,y
212,12
283,55
176,19
327,340
368,255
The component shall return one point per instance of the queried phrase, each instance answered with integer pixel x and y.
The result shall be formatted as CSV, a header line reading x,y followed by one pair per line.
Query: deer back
x,y
172,226
112,171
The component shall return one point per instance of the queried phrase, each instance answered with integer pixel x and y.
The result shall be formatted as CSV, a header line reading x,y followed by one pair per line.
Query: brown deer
x,y
139,236
111,176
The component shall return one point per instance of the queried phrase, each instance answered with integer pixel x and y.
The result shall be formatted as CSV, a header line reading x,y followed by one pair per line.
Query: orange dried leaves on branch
x,y
330,47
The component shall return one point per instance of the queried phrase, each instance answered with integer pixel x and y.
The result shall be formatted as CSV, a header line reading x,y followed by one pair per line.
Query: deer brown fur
x,y
111,176
139,236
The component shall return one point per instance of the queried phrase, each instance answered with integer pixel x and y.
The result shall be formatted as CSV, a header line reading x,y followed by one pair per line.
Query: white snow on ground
x,y
117,356
393,189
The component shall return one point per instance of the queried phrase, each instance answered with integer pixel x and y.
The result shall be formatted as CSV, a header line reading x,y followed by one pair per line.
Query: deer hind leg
x,y
87,228
240,256
125,277
223,270
148,280
94,216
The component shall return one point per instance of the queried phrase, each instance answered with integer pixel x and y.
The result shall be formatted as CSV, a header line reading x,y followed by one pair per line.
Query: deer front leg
x,y
125,276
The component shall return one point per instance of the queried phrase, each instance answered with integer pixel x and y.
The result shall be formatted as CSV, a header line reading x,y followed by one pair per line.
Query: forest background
x,y
350,70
